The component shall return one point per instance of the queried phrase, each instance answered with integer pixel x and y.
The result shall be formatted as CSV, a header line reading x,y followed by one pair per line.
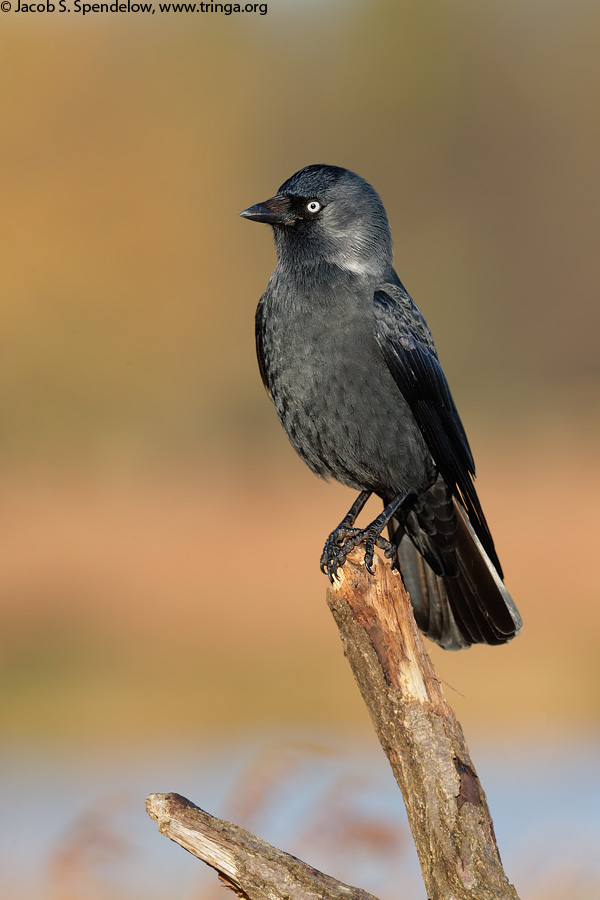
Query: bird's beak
x,y
276,211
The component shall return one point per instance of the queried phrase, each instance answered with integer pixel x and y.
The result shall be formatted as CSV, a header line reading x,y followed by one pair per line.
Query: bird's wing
x,y
258,332
409,351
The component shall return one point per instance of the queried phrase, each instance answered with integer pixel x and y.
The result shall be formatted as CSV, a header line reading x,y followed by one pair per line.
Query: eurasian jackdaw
x,y
351,367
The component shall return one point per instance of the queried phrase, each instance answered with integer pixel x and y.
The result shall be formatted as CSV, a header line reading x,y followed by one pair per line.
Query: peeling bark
x,y
250,867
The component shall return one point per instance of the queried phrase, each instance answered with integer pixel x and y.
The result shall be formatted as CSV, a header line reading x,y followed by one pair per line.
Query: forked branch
x,y
447,809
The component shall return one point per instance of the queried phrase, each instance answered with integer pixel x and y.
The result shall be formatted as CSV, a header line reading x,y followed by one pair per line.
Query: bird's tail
x,y
470,607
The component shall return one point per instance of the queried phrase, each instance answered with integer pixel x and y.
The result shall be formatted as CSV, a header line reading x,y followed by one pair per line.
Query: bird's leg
x,y
344,539
340,534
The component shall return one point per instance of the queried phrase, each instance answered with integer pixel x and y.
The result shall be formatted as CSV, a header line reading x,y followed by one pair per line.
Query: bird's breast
x,y
334,393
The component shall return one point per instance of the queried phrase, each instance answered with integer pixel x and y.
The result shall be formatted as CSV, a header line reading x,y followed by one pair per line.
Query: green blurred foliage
x,y
130,143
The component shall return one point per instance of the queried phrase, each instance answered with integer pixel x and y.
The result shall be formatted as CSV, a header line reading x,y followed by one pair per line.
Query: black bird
x,y
351,367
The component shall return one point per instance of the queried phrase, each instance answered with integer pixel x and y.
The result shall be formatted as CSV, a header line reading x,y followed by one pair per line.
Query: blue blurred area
x,y
331,801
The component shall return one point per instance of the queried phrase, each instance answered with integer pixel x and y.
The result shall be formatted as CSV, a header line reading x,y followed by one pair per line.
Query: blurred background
x,y
163,621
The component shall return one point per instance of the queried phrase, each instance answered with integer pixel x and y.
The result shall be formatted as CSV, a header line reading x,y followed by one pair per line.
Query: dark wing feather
x,y
258,332
409,351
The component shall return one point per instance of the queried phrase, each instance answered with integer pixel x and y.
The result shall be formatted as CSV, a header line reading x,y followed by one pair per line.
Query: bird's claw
x,y
337,546
343,540
391,552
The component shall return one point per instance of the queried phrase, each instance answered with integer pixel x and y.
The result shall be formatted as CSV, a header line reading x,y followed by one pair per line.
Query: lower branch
x,y
251,867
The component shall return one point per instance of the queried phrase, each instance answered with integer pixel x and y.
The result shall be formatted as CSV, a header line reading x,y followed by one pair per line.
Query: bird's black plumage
x,y
352,369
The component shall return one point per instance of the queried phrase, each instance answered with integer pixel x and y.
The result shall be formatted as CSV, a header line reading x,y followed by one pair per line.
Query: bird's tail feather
x,y
471,607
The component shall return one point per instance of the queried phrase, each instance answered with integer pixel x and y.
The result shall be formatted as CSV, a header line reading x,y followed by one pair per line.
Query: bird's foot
x,y
335,550
343,540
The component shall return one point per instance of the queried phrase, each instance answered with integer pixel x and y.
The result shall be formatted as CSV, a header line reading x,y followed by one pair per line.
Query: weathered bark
x,y
447,809
253,868
423,741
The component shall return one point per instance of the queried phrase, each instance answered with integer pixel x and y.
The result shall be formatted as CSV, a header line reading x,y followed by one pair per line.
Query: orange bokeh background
x,y
160,540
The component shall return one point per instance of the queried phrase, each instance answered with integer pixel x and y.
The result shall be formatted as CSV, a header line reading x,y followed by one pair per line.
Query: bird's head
x,y
325,214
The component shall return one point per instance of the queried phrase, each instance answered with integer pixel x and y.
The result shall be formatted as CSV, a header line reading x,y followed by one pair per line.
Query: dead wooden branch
x,y
447,809
251,867
423,741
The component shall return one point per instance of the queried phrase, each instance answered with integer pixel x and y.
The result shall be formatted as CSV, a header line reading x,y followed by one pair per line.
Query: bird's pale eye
x,y
313,206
